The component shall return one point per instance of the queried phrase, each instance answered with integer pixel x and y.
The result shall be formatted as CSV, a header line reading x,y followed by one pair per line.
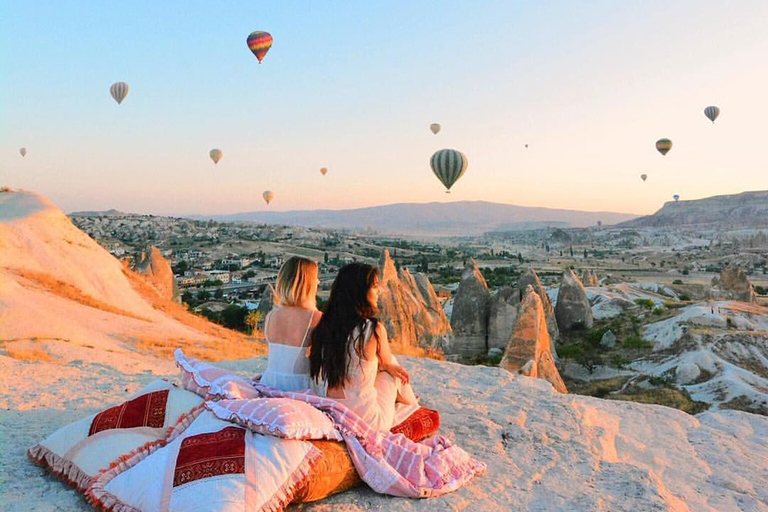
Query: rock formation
x,y
589,278
608,340
572,309
530,278
440,323
157,271
469,319
266,303
528,351
409,319
733,285
502,316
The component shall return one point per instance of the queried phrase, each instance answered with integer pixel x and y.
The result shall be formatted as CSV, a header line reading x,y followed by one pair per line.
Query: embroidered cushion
x,y
212,465
335,472
282,417
209,381
76,452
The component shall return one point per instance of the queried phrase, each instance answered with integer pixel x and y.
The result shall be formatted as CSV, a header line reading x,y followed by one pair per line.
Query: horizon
x,y
589,87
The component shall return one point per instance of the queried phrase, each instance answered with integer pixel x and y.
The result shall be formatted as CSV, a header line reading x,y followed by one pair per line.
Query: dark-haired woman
x,y
350,352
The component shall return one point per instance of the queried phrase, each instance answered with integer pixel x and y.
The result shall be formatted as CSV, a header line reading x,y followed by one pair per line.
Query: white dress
x,y
287,366
372,394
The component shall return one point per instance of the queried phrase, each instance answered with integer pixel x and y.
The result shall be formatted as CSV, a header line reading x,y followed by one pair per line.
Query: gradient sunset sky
x,y
354,85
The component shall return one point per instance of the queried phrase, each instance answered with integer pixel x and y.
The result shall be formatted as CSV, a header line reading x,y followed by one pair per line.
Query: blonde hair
x,y
297,282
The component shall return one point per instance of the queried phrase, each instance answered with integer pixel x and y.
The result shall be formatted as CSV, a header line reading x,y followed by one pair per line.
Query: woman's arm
x,y
384,353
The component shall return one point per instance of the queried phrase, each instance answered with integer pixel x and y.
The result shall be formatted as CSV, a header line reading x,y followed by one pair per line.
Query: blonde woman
x,y
287,328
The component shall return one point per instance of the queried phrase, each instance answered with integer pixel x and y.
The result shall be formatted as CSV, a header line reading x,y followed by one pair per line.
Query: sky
x,y
354,85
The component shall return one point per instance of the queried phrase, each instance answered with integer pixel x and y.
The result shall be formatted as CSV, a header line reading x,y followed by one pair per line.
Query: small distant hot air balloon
x,y
599,223
449,165
23,152
323,171
643,177
259,43
119,91
435,127
712,112
268,196
526,146
663,146
216,155
676,197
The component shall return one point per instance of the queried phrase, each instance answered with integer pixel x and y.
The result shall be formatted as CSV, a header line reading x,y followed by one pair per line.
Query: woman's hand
x,y
397,372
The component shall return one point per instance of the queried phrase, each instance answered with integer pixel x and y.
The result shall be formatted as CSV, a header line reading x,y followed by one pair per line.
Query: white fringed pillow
x,y
282,417
211,466
209,381
78,451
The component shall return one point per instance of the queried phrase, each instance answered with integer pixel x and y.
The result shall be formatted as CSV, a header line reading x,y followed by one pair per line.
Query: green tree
x,y
252,320
219,293
233,317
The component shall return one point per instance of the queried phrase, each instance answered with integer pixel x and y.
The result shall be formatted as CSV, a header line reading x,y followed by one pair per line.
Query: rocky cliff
x,y
157,271
573,310
528,350
733,284
469,319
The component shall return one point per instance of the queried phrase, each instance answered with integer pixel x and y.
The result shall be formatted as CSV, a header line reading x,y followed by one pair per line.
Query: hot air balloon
x,y
712,112
663,146
643,177
323,170
23,152
259,43
599,223
216,155
676,197
119,91
449,165
435,127
526,146
268,196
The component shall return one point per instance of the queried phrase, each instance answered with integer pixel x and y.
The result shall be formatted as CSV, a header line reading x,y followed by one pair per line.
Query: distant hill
x,y
736,211
108,213
439,219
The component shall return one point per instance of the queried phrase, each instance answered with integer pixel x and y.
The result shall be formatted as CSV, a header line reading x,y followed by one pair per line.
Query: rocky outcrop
x,y
409,319
572,310
157,271
528,350
266,304
440,323
469,319
530,278
502,316
733,285
589,278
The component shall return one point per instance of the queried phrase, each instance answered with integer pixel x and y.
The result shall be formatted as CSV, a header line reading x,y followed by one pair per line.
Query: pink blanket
x,y
388,463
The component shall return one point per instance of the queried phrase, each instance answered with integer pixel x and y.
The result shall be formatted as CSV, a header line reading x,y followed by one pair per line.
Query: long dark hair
x,y
347,309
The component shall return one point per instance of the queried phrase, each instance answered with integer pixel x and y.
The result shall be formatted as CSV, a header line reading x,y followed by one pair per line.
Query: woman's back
x,y
287,331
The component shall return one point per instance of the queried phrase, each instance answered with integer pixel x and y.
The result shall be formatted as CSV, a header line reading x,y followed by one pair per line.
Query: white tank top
x,y
287,366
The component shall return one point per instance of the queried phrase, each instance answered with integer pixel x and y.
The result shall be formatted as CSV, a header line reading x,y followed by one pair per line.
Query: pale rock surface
x,y
469,317
545,451
686,373
608,340
502,316
733,284
573,308
441,326
531,278
157,271
430,323
528,350
589,278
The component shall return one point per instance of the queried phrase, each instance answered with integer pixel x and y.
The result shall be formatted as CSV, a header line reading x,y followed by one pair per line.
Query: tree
x,y
520,257
219,293
234,317
325,257
252,319
203,295
571,251
585,254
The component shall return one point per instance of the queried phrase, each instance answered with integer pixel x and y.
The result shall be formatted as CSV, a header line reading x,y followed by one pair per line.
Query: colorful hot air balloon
x,y
268,196
663,146
216,155
712,112
449,165
643,177
23,152
323,171
259,43
435,127
119,91
676,197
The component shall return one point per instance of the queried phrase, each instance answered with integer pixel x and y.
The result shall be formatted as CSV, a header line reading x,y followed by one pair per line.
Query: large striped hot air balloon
x,y
23,152
449,165
259,43
663,146
216,155
268,196
119,91
712,112
435,128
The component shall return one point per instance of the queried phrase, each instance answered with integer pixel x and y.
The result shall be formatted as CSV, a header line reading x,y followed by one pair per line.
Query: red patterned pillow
x,y
419,425
76,452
